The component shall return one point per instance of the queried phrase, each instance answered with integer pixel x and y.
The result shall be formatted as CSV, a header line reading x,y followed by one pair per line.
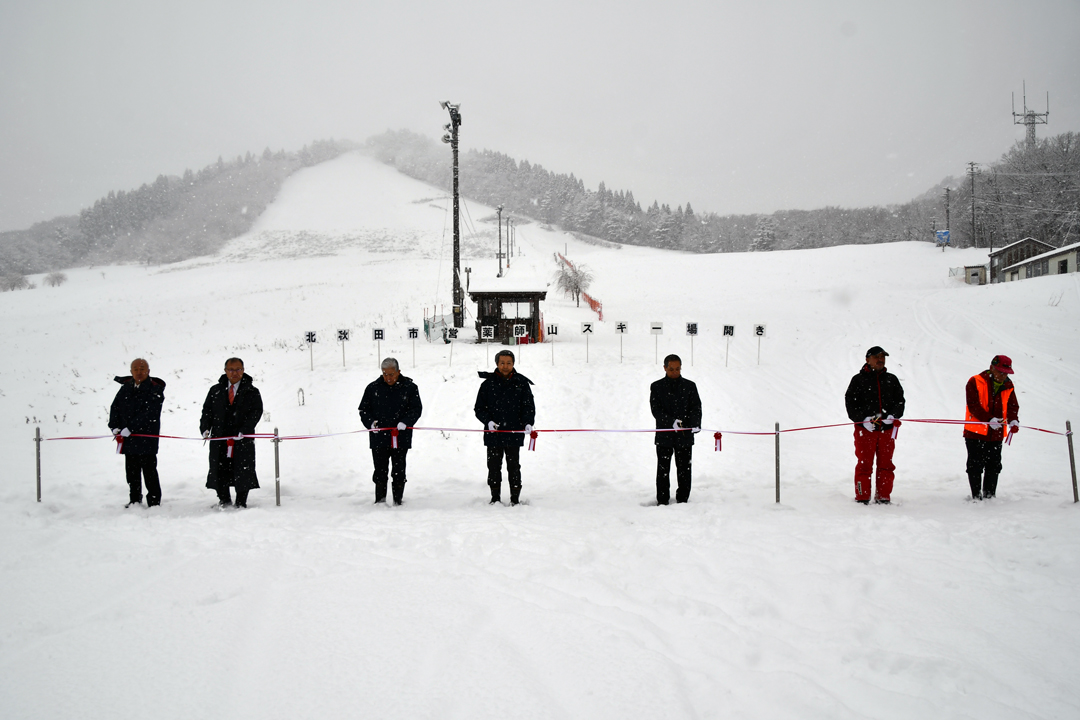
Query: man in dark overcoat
x,y
136,410
232,409
875,402
505,403
390,407
676,406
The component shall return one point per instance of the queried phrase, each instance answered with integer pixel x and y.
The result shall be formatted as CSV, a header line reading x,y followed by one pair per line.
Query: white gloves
x,y
401,426
206,435
868,423
374,424
889,420
528,429
125,433
677,425
240,436
696,430
995,423
1014,426
116,431
492,426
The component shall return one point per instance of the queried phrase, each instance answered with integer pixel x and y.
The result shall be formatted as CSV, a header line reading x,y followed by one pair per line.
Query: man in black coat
x,y
232,409
676,406
505,403
875,401
136,410
391,404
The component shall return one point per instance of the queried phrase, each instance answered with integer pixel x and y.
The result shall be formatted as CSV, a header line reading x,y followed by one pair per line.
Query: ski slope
x,y
585,602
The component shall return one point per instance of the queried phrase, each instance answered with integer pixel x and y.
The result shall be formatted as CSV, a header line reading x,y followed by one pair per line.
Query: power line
x,y
1028,207
995,173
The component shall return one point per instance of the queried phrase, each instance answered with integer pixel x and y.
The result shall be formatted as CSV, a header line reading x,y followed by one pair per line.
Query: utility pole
x,y
499,210
451,137
947,228
509,243
971,172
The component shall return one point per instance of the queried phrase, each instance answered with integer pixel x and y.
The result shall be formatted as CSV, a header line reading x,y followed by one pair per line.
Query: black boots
x,y
398,490
496,494
983,488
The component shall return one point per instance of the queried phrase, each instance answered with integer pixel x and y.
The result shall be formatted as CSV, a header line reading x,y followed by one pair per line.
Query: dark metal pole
x,y
37,443
499,210
971,165
948,229
1072,459
777,462
277,468
452,138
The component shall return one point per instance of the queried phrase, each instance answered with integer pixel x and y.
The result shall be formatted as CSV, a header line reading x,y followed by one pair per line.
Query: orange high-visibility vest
x,y
984,400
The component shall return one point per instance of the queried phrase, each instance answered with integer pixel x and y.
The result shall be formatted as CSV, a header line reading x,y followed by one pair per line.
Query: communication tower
x,y
1030,118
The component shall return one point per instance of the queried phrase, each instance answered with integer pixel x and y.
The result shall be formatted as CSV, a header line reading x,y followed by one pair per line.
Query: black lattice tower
x,y
1030,118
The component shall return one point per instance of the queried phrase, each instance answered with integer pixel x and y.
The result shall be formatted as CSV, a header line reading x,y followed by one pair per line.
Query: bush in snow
x,y
14,281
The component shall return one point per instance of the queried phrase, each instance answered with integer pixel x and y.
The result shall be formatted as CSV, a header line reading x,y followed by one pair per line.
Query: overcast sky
x,y
736,107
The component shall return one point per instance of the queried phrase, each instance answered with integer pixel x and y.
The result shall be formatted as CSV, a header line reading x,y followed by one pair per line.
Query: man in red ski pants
x,y
875,402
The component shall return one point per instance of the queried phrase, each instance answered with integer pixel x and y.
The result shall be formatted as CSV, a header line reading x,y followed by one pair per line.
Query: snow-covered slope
x,y
585,602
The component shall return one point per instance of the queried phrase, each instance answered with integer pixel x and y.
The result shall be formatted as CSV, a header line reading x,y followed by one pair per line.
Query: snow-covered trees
x,y
764,235
14,281
573,280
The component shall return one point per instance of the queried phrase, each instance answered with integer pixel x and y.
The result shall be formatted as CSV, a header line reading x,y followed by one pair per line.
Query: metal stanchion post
x,y
777,462
1072,458
277,468
37,444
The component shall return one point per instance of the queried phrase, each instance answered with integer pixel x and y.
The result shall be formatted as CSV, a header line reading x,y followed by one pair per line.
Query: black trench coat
x,y
225,420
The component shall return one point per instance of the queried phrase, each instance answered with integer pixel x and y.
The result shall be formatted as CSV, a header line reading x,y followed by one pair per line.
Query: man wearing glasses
x,y
232,409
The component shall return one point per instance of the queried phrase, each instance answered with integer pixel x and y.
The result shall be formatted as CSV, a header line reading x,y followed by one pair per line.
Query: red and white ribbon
x,y
532,436
895,428
119,444
393,437
532,440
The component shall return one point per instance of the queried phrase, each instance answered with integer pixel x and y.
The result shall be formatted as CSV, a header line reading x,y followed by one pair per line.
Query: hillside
x,y
584,602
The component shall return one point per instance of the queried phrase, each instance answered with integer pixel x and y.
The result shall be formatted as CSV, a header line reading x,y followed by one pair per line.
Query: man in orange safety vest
x,y
992,412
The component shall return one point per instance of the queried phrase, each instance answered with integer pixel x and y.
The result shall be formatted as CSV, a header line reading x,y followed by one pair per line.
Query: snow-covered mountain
x,y
584,602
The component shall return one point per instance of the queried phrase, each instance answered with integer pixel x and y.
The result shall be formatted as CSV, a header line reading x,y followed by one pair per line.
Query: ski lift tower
x,y
1030,118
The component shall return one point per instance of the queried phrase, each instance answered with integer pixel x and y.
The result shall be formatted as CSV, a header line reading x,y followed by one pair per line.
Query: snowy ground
x,y
585,602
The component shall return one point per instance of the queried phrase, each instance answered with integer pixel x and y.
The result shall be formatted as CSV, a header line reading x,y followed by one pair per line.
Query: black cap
x,y
876,350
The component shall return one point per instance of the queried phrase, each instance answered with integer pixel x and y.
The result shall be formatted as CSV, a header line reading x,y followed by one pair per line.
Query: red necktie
x,y
232,393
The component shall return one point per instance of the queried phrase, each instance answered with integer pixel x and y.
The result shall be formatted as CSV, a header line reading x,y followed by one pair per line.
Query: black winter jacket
x,y
874,393
672,399
139,410
507,401
225,420
389,405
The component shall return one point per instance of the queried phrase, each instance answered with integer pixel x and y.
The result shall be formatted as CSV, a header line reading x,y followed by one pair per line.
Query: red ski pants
x,y
869,445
